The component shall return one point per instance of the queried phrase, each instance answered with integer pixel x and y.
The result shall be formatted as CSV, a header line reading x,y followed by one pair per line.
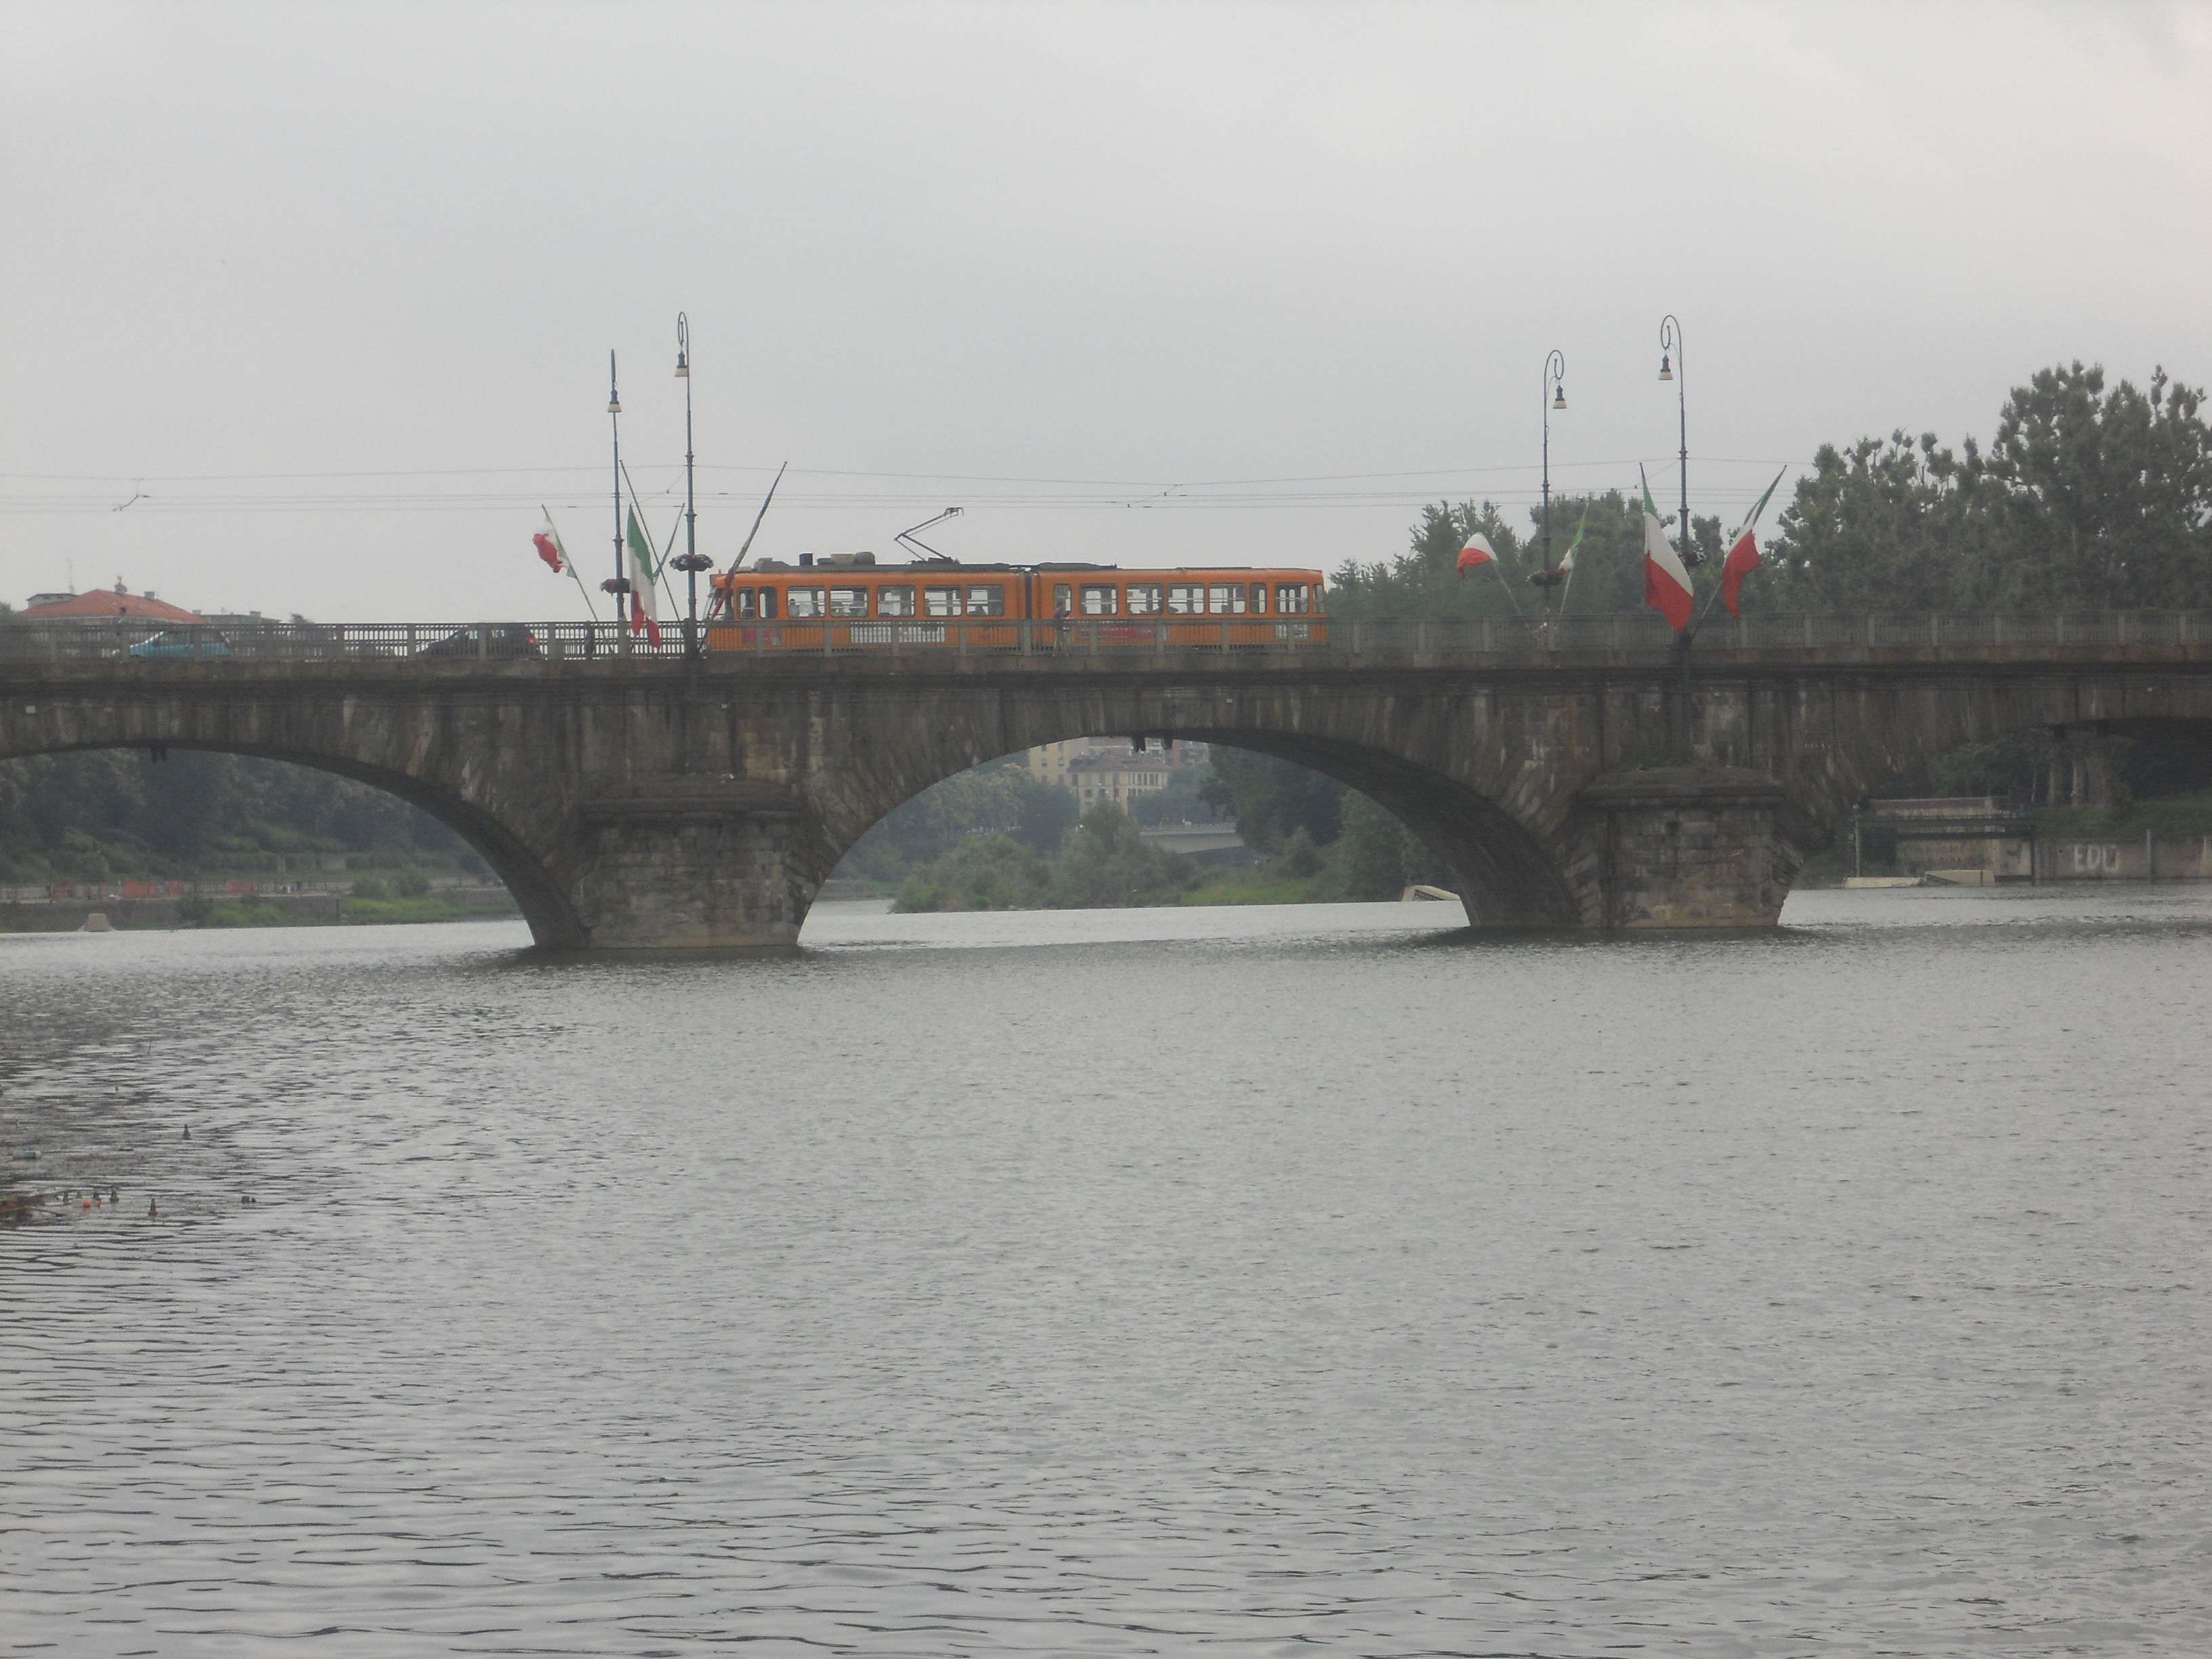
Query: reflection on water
x,y
1257,1280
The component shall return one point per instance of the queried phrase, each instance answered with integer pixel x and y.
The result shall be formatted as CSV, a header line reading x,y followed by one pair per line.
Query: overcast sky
x,y
330,288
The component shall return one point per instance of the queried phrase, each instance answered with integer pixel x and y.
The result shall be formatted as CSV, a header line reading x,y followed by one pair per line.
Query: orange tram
x,y
847,601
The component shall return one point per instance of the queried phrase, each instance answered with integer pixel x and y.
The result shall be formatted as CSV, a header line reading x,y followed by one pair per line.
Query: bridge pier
x,y
689,864
1688,847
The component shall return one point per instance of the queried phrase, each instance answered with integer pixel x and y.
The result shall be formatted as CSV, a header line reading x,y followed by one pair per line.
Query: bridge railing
x,y
1530,639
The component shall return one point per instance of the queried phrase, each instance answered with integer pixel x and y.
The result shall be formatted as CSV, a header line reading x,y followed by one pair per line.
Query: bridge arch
x,y
1502,871
533,887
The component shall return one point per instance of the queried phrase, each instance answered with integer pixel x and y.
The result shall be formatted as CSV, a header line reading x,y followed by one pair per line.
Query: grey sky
x,y
1133,247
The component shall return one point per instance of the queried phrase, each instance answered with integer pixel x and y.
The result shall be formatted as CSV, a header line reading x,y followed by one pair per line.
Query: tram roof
x,y
843,565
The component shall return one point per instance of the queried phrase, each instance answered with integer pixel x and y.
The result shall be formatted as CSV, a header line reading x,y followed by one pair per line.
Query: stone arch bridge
x,y
650,802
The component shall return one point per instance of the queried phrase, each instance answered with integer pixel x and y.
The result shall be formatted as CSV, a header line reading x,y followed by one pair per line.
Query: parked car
x,y
182,644
486,640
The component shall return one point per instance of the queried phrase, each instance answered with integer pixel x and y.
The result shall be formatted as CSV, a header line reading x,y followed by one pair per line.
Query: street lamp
x,y
690,564
1670,355
619,584
1555,370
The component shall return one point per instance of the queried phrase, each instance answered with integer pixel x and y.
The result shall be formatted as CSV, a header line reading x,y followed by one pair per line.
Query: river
x,y
1254,1281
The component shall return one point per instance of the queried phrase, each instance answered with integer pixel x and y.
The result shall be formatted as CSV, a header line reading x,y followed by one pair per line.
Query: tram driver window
x,y
1145,598
895,602
768,605
741,603
1100,599
940,601
1293,599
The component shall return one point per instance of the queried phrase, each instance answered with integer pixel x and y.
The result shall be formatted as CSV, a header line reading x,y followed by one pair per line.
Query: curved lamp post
x,y
1555,397
618,585
693,561
1670,368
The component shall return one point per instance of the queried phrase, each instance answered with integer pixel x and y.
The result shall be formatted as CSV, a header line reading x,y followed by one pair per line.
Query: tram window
x,y
1145,598
895,602
1259,599
848,601
1226,601
768,604
1100,599
940,601
741,603
1184,601
986,601
1293,599
805,603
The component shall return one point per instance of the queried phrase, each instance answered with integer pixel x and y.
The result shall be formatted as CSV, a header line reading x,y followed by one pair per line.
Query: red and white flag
x,y
1477,553
1665,584
1743,552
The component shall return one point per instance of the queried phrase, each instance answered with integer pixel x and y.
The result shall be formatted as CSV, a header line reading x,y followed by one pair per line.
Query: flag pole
x,y
619,585
569,565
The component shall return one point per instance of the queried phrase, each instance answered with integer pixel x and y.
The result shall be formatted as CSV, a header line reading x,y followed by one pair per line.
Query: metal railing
x,y
1531,640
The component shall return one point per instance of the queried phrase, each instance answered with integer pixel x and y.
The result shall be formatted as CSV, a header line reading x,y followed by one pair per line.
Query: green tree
x,y
983,872
1105,862
1268,799
2103,498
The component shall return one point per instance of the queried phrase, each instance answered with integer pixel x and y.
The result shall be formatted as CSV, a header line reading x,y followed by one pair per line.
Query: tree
x,y
2086,499
1887,525
1425,580
1106,863
1268,799
2104,499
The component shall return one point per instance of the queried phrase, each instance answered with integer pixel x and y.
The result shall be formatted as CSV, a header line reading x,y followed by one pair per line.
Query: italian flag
x,y
548,543
644,575
1665,584
1477,553
1743,551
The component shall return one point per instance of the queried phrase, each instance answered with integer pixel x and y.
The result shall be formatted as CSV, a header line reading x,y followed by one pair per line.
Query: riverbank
x,y
256,910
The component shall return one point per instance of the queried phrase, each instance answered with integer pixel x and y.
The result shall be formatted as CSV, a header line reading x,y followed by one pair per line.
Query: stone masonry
x,y
646,803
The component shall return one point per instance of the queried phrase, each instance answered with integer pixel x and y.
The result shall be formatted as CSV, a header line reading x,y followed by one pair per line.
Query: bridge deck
x,y
1621,640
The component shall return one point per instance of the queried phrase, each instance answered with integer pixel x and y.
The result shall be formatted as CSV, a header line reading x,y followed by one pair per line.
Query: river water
x,y
1256,1281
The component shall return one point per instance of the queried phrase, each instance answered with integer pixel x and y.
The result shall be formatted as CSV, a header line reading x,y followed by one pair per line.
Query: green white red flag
x,y
548,543
1477,553
1665,584
1743,551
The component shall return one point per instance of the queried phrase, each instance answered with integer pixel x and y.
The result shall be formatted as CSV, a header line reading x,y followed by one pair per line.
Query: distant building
x,y
1055,762
104,605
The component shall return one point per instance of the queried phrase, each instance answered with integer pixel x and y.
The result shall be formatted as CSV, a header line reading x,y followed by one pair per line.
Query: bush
x,y
985,872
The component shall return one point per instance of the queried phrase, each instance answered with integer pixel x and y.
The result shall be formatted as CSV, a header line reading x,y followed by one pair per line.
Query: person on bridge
x,y
1063,620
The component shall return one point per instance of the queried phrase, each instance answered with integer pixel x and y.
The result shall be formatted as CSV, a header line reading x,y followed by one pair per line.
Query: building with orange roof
x,y
105,604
